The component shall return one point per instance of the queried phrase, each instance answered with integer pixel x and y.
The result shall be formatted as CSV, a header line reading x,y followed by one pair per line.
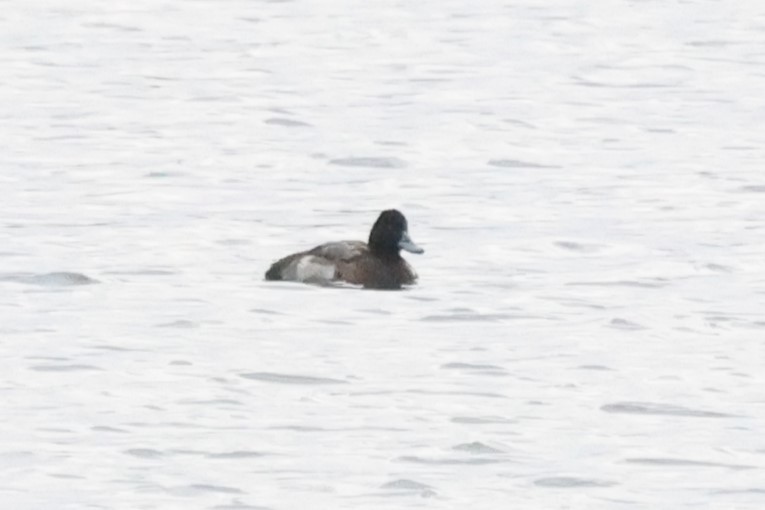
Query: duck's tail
x,y
274,272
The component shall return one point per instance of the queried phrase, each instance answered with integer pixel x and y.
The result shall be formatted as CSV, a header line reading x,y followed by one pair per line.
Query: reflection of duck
x,y
375,265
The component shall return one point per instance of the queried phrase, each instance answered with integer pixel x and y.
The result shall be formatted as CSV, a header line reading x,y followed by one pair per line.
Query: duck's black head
x,y
390,234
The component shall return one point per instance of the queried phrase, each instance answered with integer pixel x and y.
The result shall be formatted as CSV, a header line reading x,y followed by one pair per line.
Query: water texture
x,y
587,181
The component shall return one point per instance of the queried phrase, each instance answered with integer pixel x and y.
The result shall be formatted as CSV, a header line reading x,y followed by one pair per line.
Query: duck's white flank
x,y
314,269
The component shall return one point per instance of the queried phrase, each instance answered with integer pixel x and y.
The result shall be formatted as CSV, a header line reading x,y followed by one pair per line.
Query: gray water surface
x,y
587,181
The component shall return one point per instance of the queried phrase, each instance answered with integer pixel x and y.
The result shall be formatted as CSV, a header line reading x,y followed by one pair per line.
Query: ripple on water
x,y
221,489
240,506
471,366
719,268
481,420
685,463
63,368
181,324
741,491
753,188
476,447
405,486
213,402
619,323
369,162
142,272
448,460
243,454
565,482
56,279
273,377
265,311
650,408
145,453
471,317
487,394
403,483
594,367
280,121
578,247
66,476
649,284
516,163
105,428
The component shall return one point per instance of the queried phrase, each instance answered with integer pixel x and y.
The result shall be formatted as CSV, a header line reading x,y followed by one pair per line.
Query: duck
x,y
376,264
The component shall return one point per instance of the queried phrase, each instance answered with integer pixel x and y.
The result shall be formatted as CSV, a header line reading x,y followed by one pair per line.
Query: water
x,y
586,179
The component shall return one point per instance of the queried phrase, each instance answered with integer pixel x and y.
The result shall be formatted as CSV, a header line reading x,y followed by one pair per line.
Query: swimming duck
x,y
376,264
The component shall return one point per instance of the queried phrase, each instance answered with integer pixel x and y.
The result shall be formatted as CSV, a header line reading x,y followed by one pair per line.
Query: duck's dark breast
x,y
374,273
